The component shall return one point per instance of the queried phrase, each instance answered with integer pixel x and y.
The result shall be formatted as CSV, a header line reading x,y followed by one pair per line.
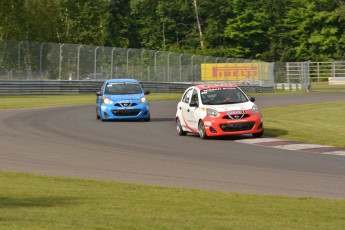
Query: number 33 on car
x,y
218,110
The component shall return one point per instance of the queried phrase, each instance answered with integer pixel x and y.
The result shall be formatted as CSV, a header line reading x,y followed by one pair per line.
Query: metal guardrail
x,y
16,87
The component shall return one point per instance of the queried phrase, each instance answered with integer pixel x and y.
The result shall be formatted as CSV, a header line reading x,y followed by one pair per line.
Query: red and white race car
x,y
218,110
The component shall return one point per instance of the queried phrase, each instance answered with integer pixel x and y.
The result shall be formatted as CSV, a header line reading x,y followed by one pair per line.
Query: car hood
x,y
229,107
125,97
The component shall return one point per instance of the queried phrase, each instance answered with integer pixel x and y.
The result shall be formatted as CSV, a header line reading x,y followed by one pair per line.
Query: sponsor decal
x,y
207,123
236,114
205,91
188,127
125,101
121,83
233,71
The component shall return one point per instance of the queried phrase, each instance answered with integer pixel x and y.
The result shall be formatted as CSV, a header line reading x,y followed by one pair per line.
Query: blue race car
x,y
121,99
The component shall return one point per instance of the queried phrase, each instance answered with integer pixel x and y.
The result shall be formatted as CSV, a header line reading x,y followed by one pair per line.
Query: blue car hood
x,y
125,97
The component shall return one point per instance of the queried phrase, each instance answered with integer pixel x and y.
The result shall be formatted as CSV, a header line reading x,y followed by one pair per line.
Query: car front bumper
x,y
111,112
226,127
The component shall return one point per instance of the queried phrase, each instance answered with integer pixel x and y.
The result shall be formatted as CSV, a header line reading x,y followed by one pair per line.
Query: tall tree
x,y
148,28
214,14
84,22
248,28
120,26
314,29
200,30
12,19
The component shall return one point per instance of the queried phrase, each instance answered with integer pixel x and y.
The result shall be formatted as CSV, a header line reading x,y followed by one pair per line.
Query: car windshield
x,y
119,88
218,96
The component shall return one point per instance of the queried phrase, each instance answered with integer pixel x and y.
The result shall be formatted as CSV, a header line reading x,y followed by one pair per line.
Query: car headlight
x,y
143,100
211,113
107,101
255,109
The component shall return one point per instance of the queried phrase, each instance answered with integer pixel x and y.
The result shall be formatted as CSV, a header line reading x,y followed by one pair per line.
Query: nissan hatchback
x,y
122,99
218,110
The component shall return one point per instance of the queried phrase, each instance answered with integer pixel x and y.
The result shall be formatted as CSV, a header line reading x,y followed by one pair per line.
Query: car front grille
x,y
125,104
240,126
234,117
126,112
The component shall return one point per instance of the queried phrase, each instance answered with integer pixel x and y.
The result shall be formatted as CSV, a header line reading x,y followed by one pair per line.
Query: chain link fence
x,y
24,60
292,76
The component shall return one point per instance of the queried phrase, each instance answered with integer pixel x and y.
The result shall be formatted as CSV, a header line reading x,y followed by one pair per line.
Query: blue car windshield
x,y
120,88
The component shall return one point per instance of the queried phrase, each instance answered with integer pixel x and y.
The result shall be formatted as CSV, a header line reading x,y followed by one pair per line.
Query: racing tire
x,y
201,130
257,135
179,129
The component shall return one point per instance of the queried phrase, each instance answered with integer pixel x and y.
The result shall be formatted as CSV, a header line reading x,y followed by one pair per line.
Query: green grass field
x,y
12,102
41,202
322,123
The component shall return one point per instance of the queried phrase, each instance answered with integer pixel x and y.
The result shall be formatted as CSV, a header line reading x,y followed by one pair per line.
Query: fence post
x,y
41,73
180,59
155,61
141,63
95,63
19,53
192,63
112,63
168,80
127,59
60,61
288,72
78,61
318,72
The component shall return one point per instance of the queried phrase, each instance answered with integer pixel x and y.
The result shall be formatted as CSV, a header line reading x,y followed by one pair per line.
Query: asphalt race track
x,y
70,141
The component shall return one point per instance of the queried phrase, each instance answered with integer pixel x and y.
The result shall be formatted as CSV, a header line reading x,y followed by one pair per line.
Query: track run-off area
x,y
69,141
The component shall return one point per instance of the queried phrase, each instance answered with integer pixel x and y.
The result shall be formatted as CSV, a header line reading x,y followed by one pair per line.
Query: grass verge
x,y
41,202
322,123
20,101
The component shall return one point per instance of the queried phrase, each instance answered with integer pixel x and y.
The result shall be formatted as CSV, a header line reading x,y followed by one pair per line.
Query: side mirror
x,y
252,99
98,93
147,92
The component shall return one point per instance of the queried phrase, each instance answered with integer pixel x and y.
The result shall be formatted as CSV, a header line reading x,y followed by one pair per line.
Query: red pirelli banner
x,y
229,71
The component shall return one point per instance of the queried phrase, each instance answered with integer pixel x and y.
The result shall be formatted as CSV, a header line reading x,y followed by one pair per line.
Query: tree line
x,y
267,30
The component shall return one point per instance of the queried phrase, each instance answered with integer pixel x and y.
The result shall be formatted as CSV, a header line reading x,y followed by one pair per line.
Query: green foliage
x,y
120,27
269,30
84,22
315,30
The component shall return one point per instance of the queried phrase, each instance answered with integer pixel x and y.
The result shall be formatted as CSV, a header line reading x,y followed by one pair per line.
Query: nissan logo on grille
x,y
125,104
